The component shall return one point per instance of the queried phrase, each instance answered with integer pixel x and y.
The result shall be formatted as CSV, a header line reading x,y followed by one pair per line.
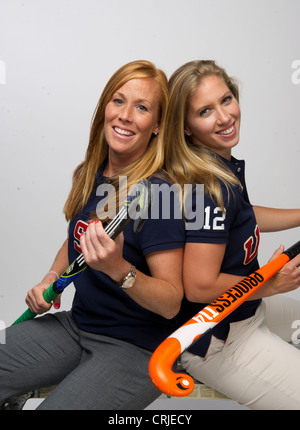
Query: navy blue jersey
x,y
102,307
237,228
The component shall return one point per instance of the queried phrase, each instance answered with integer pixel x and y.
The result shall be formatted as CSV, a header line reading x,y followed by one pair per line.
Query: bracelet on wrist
x,y
55,273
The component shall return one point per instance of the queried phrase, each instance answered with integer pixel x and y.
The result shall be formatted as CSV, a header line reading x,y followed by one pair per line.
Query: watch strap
x,y
130,274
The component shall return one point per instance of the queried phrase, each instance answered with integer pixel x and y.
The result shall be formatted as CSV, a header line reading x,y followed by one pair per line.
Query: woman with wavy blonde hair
x,y
240,357
128,298
187,162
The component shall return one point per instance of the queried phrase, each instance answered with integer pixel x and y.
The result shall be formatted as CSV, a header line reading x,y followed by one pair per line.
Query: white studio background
x,y
55,58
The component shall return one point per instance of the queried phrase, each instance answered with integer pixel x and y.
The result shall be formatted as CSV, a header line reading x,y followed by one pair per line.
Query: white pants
x,y
256,366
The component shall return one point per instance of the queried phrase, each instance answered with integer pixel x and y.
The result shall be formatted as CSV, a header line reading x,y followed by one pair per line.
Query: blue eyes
x,y
117,101
143,108
206,111
227,99
120,102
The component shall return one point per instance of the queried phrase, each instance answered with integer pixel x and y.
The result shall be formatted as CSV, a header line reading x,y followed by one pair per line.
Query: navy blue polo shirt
x,y
237,228
102,307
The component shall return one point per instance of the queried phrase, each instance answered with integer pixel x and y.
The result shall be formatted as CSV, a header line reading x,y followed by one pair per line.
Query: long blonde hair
x,y
97,151
185,162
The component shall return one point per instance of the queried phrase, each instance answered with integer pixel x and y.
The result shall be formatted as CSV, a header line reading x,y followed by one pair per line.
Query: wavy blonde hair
x,y
146,165
186,162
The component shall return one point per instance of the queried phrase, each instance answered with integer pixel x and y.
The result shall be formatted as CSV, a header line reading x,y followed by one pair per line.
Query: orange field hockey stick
x,y
164,357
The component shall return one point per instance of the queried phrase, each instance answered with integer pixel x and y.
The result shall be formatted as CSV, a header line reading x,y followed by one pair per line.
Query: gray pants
x,y
92,371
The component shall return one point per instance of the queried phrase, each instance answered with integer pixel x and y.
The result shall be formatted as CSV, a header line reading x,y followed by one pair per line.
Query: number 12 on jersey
x,y
214,219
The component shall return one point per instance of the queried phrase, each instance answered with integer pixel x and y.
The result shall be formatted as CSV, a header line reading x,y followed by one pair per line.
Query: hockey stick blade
x,y
164,357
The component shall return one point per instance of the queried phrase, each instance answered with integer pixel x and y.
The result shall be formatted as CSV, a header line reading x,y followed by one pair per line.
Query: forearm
x,y
206,292
286,280
271,219
34,299
156,295
60,264
224,282
162,292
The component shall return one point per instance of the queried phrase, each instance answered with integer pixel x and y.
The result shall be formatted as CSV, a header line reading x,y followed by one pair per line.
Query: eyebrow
x,y
221,98
118,93
226,93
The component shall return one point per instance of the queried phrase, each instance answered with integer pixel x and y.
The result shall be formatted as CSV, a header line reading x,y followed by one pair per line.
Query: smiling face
x,y
213,116
131,116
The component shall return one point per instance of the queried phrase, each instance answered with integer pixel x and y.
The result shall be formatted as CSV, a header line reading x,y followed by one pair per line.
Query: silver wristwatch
x,y
128,280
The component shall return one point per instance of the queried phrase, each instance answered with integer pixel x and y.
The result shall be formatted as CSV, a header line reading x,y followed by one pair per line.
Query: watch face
x,y
129,282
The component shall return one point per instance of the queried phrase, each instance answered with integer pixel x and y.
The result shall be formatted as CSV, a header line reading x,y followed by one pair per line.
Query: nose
x,y
223,116
126,114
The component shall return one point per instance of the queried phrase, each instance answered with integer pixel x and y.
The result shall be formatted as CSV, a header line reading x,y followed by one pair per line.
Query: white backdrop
x,y
55,58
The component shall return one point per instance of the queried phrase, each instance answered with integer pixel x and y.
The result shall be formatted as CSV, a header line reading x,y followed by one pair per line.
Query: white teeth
x,y
123,132
228,131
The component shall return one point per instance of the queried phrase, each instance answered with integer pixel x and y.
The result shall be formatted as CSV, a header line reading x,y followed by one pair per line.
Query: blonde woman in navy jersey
x,y
242,357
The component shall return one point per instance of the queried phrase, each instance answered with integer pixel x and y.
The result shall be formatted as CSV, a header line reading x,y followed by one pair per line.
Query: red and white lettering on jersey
x,y
251,246
80,228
